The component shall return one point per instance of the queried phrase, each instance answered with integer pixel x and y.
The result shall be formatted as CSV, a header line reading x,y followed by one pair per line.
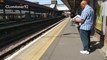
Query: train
x,y
20,18
21,10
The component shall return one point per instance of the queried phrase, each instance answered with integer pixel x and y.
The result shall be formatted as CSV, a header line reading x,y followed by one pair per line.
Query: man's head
x,y
83,4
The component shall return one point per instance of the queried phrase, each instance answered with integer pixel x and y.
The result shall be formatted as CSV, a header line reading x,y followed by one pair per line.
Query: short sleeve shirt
x,y
87,15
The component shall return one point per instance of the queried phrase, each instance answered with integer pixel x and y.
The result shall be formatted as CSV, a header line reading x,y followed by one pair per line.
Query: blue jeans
x,y
85,38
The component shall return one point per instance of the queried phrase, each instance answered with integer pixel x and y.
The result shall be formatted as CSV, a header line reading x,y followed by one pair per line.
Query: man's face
x,y
82,5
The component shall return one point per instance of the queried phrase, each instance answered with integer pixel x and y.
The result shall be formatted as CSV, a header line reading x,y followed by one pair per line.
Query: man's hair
x,y
86,1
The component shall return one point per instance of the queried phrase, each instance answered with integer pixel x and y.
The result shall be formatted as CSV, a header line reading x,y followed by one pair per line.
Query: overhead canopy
x,y
72,4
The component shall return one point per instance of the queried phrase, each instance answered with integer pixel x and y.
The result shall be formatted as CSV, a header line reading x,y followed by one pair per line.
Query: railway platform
x,y
62,42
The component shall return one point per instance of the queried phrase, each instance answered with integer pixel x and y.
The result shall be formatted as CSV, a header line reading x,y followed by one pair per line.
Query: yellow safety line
x,y
51,39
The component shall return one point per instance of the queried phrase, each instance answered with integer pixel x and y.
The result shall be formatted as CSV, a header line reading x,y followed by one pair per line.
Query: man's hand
x,y
77,18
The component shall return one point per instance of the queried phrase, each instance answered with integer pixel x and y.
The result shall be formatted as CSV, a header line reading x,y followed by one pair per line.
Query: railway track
x,y
25,36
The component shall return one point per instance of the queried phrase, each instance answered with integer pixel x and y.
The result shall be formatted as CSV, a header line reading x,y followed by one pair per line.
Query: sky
x,y
45,1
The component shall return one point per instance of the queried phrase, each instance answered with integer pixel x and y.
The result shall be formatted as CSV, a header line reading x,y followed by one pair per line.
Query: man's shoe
x,y
85,52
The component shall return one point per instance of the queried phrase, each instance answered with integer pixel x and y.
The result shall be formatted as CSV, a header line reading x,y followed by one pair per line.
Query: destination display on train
x,y
17,6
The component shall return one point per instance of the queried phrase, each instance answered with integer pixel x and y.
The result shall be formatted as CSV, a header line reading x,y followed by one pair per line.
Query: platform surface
x,y
61,43
67,47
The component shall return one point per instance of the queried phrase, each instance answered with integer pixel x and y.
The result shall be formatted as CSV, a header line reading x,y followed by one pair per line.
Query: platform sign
x,y
99,20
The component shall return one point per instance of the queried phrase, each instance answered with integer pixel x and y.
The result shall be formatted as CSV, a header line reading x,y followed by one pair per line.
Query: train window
x,y
1,14
32,15
27,16
1,17
23,12
38,15
12,15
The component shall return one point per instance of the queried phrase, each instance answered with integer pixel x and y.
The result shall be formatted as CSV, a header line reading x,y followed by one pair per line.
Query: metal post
x,y
29,13
20,14
104,19
4,13
74,5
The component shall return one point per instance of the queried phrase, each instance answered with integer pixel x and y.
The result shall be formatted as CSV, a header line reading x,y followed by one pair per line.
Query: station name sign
x,y
17,6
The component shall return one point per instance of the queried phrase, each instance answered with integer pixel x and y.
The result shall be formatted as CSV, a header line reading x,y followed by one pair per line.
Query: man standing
x,y
86,21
